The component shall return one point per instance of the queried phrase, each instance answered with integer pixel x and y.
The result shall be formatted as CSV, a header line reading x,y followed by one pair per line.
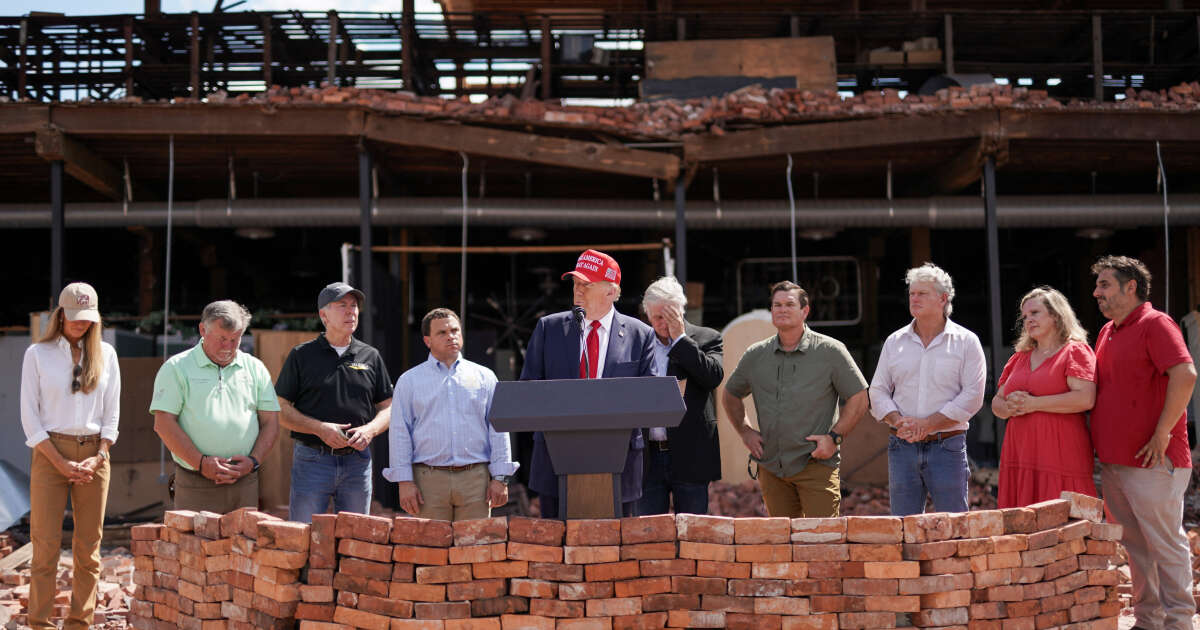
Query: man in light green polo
x,y
215,409
796,378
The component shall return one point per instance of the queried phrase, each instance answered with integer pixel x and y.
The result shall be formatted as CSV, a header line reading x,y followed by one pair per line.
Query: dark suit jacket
x,y
695,445
553,353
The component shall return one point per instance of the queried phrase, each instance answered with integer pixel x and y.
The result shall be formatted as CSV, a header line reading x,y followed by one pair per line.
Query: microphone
x,y
579,318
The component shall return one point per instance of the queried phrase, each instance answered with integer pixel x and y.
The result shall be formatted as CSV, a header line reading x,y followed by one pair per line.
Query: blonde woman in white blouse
x,y
70,404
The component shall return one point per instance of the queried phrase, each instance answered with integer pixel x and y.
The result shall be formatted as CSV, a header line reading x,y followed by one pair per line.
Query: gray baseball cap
x,y
335,291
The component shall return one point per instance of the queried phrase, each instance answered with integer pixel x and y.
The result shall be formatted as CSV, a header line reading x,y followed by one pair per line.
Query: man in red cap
x,y
605,344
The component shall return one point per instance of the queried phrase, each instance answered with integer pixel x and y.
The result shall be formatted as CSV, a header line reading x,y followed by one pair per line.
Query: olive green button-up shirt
x,y
796,395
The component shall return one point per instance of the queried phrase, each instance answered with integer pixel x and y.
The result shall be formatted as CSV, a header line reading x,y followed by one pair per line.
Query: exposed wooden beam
x,y
202,120
966,167
84,165
837,135
514,145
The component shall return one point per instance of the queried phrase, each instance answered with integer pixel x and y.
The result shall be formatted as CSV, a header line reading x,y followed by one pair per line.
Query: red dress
x,y
1045,453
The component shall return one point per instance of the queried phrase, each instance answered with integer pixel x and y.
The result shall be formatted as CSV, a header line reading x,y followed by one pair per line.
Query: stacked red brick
x,y
180,572
205,571
1046,566
1043,566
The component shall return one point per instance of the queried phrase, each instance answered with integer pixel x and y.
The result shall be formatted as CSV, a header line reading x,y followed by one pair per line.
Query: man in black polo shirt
x,y
334,394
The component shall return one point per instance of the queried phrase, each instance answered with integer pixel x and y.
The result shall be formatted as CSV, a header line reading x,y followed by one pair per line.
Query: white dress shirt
x,y
47,403
945,377
662,360
602,333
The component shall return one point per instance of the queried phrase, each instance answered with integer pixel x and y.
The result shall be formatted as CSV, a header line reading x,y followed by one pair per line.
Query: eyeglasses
x,y
75,384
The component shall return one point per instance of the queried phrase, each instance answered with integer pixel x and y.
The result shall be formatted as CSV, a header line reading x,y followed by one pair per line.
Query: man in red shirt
x,y
1144,379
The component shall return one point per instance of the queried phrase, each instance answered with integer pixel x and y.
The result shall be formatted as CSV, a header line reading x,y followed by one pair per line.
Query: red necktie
x,y
593,353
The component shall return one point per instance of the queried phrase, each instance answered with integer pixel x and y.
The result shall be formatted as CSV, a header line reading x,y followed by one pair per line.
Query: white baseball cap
x,y
78,301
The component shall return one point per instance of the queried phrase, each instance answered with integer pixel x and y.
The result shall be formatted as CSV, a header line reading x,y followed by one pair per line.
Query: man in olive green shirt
x,y
796,378
215,409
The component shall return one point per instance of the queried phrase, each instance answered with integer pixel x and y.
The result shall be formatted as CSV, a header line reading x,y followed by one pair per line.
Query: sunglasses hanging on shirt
x,y
76,373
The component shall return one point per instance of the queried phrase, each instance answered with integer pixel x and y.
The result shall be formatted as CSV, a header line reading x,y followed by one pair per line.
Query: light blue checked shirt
x,y
439,418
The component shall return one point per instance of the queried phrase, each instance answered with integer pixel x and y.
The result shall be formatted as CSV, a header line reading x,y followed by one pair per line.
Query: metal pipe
x,y
57,227
959,212
364,239
681,231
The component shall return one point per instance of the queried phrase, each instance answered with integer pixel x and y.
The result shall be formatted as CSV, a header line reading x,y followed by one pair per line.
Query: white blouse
x,y
47,403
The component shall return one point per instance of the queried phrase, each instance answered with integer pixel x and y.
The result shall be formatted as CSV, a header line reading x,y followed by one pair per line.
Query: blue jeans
x,y
935,469
320,477
658,489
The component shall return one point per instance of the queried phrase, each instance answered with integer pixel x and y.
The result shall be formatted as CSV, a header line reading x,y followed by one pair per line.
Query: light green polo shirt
x,y
217,407
796,395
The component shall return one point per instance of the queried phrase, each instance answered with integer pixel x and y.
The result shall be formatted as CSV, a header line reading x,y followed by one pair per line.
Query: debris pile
x,y
670,118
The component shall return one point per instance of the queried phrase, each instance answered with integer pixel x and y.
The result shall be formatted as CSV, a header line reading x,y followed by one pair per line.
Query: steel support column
x,y
993,254
367,327
681,230
56,229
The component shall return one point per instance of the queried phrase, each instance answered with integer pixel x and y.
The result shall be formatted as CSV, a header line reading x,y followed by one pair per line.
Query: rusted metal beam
x,y
837,135
84,165
526,147
194,68
200,120
408,44
547,49
266,49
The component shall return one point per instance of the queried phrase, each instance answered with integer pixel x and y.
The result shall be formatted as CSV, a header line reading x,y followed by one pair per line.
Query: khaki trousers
x,y
48,492
196,492
815,492
1148,503
453,495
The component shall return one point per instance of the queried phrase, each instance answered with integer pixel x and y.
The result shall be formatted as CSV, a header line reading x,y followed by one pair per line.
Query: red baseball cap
x,y
594,266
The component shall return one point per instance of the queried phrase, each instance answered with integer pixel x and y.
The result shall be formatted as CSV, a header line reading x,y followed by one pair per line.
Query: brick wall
x,y
1049,565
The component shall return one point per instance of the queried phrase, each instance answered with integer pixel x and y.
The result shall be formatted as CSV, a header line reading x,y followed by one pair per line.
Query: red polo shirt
x,y
1131,386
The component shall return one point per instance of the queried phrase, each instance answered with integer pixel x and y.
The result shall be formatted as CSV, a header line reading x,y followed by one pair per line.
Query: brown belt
x,y
82,439
936,437
454,468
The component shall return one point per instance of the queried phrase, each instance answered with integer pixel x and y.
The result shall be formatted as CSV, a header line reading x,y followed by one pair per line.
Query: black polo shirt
x,y
329,388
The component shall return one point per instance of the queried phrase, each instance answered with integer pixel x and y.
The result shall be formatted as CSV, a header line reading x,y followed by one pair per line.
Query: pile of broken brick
x,y
670,119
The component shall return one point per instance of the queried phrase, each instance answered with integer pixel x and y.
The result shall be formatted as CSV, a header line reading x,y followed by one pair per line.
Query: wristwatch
x,y
837,438
104,454
504,479
256,464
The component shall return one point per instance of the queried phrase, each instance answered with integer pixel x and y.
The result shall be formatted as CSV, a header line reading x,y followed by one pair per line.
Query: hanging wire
x,y
891,205
374,189
127,189
792,204
229,199
717,191
162,449
462,298
1162,178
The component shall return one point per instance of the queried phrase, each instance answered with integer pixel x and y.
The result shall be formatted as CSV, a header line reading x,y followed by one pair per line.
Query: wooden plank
x,y
514,145
17,558
202,120
590,495
138,441
966,167
837,135
1106,126
275,476
81,163
810,60
23,118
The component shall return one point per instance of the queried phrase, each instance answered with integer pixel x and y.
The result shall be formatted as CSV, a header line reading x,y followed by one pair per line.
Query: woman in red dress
x,y
1046,387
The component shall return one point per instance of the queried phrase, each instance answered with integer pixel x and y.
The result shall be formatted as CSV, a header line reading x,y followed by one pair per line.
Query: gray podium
x,y
586,423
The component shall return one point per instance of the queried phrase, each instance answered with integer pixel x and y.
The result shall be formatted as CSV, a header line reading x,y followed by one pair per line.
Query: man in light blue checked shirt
x,y
448,461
